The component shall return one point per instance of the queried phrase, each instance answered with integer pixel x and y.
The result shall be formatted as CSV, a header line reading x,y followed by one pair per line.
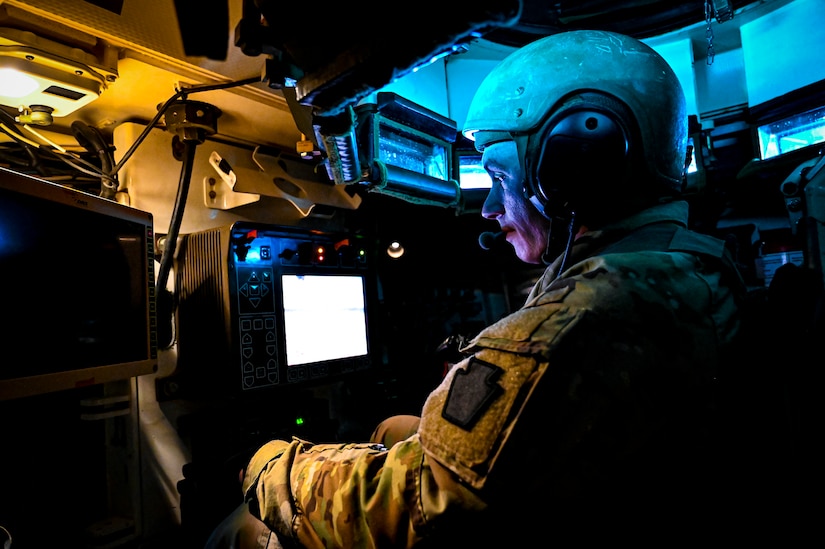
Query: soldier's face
x,y
525,228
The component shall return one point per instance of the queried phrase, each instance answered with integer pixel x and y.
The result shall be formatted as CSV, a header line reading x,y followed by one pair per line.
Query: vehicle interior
x,y
228,221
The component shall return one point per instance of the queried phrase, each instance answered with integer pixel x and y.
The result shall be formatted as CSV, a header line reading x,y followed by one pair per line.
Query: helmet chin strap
x,y
560,227
551,252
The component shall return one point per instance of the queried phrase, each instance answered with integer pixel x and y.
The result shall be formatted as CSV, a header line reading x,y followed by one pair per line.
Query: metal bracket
x,y
220,193
279,176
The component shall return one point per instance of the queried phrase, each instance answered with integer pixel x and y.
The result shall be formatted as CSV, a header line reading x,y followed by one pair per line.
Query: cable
x,y
93,172
60,153
547,258
91,140
107,173
166,302
43,138
18,137
55,150
163,297
180,93
177,214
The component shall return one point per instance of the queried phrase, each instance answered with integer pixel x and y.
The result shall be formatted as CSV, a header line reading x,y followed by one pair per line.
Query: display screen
x,y
77,276
324,317
792,133
71,286
471,172
414,151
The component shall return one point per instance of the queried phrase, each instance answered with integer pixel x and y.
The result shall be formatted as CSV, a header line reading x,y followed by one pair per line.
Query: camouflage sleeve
x,y
349,495
603,366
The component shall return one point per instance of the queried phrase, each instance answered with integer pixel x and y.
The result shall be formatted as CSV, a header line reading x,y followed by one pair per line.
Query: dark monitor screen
x,y
77,274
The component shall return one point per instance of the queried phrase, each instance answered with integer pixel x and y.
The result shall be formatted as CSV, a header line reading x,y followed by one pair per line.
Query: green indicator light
x,y
299,421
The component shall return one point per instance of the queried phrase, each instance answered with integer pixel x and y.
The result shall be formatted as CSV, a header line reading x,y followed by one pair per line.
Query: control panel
x,y
296,306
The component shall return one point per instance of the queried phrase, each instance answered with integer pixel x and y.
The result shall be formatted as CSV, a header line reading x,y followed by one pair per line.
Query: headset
x,y
7,543
581,156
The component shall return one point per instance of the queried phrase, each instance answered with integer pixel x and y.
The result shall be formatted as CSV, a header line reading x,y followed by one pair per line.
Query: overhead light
x,y
14,83
395,250
60,78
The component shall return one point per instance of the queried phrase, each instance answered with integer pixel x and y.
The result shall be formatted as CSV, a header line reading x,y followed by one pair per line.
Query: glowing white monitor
x,y
324,317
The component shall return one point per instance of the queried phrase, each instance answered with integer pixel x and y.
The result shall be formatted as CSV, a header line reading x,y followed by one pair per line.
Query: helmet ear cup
x,y
581,156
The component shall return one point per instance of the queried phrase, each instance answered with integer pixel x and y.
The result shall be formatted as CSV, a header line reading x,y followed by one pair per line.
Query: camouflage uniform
x,y
591,401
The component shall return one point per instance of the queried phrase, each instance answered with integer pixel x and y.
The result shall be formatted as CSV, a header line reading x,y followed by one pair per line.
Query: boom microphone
x,y
488,239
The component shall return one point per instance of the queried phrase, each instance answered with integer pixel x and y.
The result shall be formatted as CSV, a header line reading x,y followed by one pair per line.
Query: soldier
x,y
588,414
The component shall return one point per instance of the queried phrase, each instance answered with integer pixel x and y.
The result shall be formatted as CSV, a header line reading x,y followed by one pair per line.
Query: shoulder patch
x,y
472,391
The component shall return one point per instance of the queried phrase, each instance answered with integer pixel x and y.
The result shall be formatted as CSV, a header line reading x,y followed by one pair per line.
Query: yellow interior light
x,y
14,84
63,79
